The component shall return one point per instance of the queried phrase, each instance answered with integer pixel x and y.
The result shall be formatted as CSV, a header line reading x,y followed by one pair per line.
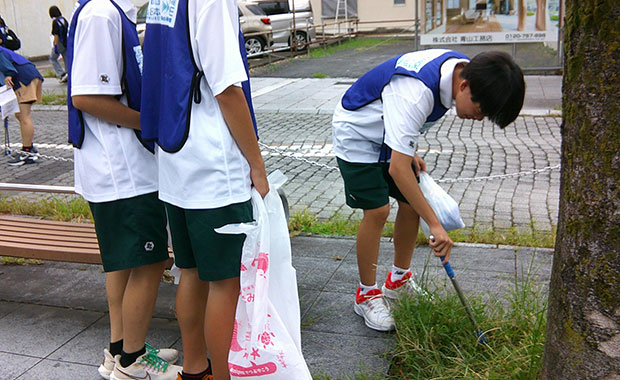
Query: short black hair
x,y
55,12
496,82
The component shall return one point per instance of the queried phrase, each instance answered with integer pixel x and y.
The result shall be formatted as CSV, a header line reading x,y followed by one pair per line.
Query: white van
x,y
280,12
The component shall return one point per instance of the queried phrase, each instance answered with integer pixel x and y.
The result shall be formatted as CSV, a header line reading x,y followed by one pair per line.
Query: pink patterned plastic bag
x,y
266,340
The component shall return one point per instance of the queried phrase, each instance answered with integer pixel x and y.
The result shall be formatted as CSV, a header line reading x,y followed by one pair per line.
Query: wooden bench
x,y
33,238
48,240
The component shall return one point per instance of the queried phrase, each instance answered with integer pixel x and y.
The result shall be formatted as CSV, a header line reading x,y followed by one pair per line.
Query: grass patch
x,y
319,75
54,99
435,339
75,209
48,74
308,223
354,43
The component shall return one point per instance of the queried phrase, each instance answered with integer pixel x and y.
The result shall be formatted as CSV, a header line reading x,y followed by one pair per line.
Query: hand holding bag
x,y
266,341
444,206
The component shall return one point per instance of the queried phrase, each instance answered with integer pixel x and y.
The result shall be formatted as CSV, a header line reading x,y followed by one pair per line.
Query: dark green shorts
x,y
196,244
131,232
368,185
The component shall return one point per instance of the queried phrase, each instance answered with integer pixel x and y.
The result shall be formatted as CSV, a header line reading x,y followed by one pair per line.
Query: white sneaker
x,y
148,366
107,365
168,354
392,289
373,308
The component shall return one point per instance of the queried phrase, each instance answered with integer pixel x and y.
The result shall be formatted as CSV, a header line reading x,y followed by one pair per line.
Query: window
x,y
274,7
399,2
255,9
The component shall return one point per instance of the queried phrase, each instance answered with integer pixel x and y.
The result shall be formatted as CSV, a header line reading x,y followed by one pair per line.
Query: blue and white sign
x,y
162,12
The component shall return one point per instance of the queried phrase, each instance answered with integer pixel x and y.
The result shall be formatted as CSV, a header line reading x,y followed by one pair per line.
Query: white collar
x,y
445,82
130,10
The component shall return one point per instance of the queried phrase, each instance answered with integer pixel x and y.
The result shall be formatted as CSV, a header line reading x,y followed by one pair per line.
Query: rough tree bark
x,y
521,13
541,14
583,329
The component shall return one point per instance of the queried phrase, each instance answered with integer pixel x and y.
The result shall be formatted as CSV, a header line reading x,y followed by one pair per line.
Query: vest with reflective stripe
x,y
166,107
131,78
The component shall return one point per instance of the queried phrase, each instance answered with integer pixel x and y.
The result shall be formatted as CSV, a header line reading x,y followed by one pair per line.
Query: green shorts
x,y
368,185
196,244
131,232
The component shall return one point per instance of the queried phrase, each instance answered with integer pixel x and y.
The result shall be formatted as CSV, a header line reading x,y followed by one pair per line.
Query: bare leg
x,y
26,125
219,323
191,302
368,238
138,304
115,283
405,234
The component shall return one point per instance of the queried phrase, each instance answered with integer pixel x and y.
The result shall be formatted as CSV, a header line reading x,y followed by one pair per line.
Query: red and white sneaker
x,y
392,289
375,311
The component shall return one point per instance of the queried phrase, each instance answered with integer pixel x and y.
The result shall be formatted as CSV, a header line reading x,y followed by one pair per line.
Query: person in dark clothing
x,y
23,77
59,32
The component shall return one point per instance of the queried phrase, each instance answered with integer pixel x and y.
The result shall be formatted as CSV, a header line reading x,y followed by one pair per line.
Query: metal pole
x,y
417,21
294,37
560,28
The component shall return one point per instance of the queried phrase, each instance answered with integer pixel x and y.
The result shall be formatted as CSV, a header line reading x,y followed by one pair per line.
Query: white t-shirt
x,y
395,119
209,171
112,163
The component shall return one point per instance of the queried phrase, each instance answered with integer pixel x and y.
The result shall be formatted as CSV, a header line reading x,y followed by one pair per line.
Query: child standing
x,y
60,27
376,127
22,76
116,172
194,106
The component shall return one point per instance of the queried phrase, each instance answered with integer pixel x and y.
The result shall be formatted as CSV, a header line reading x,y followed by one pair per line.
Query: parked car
x,y
255,26
281,14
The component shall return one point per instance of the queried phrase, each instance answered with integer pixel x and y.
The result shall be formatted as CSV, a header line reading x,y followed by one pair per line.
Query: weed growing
x,y
319,75
74,209
435,340
529,236
355,43
51,98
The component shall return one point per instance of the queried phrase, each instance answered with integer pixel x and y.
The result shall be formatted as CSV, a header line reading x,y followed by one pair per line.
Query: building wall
x,y
31,21
374,14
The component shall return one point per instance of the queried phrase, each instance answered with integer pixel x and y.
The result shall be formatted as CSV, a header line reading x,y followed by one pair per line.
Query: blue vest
x,y
26,70
131,79
172,78
369,86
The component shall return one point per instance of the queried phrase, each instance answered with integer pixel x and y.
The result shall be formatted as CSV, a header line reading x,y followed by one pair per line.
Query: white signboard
x,y
489,21
487,38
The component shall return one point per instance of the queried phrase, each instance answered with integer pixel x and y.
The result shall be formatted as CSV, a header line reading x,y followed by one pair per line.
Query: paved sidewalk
x,y
55,327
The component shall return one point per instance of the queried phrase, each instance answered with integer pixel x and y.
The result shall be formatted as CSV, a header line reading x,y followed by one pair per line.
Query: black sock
x,y
26,148
116,348
195,376
129,359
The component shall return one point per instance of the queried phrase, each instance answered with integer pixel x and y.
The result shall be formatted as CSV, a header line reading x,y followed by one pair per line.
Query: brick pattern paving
x,y
453,148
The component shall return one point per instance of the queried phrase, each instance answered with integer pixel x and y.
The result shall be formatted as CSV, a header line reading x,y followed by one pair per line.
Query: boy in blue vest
x,y
23,77
194,106
116,172
376,128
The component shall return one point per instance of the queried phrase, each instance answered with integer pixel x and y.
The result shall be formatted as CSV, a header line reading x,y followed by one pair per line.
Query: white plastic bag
x,y
266,341
444,206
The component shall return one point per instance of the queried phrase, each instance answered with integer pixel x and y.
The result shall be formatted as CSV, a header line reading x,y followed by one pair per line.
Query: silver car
x,y
281,14
255,26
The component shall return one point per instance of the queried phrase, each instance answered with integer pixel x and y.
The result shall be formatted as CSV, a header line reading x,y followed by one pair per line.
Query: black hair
x,y
55,12
496,82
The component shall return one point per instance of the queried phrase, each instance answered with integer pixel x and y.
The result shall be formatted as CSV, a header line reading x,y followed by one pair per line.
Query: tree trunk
x,y
583,328
522,13
541,14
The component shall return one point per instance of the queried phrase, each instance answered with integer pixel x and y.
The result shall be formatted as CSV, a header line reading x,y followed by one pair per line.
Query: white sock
x,y
366,288
398,273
